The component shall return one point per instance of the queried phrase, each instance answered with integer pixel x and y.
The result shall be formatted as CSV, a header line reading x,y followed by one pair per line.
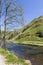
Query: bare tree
x,y
0,9
12,15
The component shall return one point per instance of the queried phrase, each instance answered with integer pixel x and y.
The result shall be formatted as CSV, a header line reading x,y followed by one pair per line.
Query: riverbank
x,y
23,53
33,43
8,58
34,53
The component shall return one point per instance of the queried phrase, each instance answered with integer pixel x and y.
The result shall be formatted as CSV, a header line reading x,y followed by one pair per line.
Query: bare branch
x,y
10,18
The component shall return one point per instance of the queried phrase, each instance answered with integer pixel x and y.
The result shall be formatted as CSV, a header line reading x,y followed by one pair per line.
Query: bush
x,y
40,34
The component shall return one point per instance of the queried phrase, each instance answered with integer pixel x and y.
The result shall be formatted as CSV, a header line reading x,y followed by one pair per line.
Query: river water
x,y
27,52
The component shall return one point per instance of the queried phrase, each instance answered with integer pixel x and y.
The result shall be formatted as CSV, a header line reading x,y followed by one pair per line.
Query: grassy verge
x,y
11,58
37,43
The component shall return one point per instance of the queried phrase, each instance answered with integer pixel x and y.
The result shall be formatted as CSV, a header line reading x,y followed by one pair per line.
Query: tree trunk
x,y
5,35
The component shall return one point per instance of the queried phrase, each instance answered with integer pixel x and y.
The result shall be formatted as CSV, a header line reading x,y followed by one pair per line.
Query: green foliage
x,y
11,58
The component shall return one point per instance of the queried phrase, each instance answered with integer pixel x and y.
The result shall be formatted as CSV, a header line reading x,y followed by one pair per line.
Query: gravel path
x,y
2,60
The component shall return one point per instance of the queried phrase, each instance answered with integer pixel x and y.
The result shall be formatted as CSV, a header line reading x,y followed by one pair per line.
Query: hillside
x,y
33,31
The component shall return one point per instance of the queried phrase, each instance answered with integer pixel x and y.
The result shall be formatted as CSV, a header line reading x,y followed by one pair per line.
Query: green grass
x,y
36,43
11,58
29,33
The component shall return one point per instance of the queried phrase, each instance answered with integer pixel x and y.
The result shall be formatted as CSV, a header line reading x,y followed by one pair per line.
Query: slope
x,y
33,31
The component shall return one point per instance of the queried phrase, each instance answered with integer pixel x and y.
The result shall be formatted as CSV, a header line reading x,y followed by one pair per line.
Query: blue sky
x,y
32,9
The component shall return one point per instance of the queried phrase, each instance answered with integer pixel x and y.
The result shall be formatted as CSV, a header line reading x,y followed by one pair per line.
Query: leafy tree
x,y
12,14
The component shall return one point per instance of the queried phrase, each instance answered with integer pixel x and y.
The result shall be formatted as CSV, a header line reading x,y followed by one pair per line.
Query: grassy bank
x,y
37,43
11,58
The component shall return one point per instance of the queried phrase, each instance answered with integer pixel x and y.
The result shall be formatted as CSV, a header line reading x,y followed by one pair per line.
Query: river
x,y
27,52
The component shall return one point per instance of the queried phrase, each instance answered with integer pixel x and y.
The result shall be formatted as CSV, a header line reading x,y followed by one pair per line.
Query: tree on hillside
x,y
12,14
